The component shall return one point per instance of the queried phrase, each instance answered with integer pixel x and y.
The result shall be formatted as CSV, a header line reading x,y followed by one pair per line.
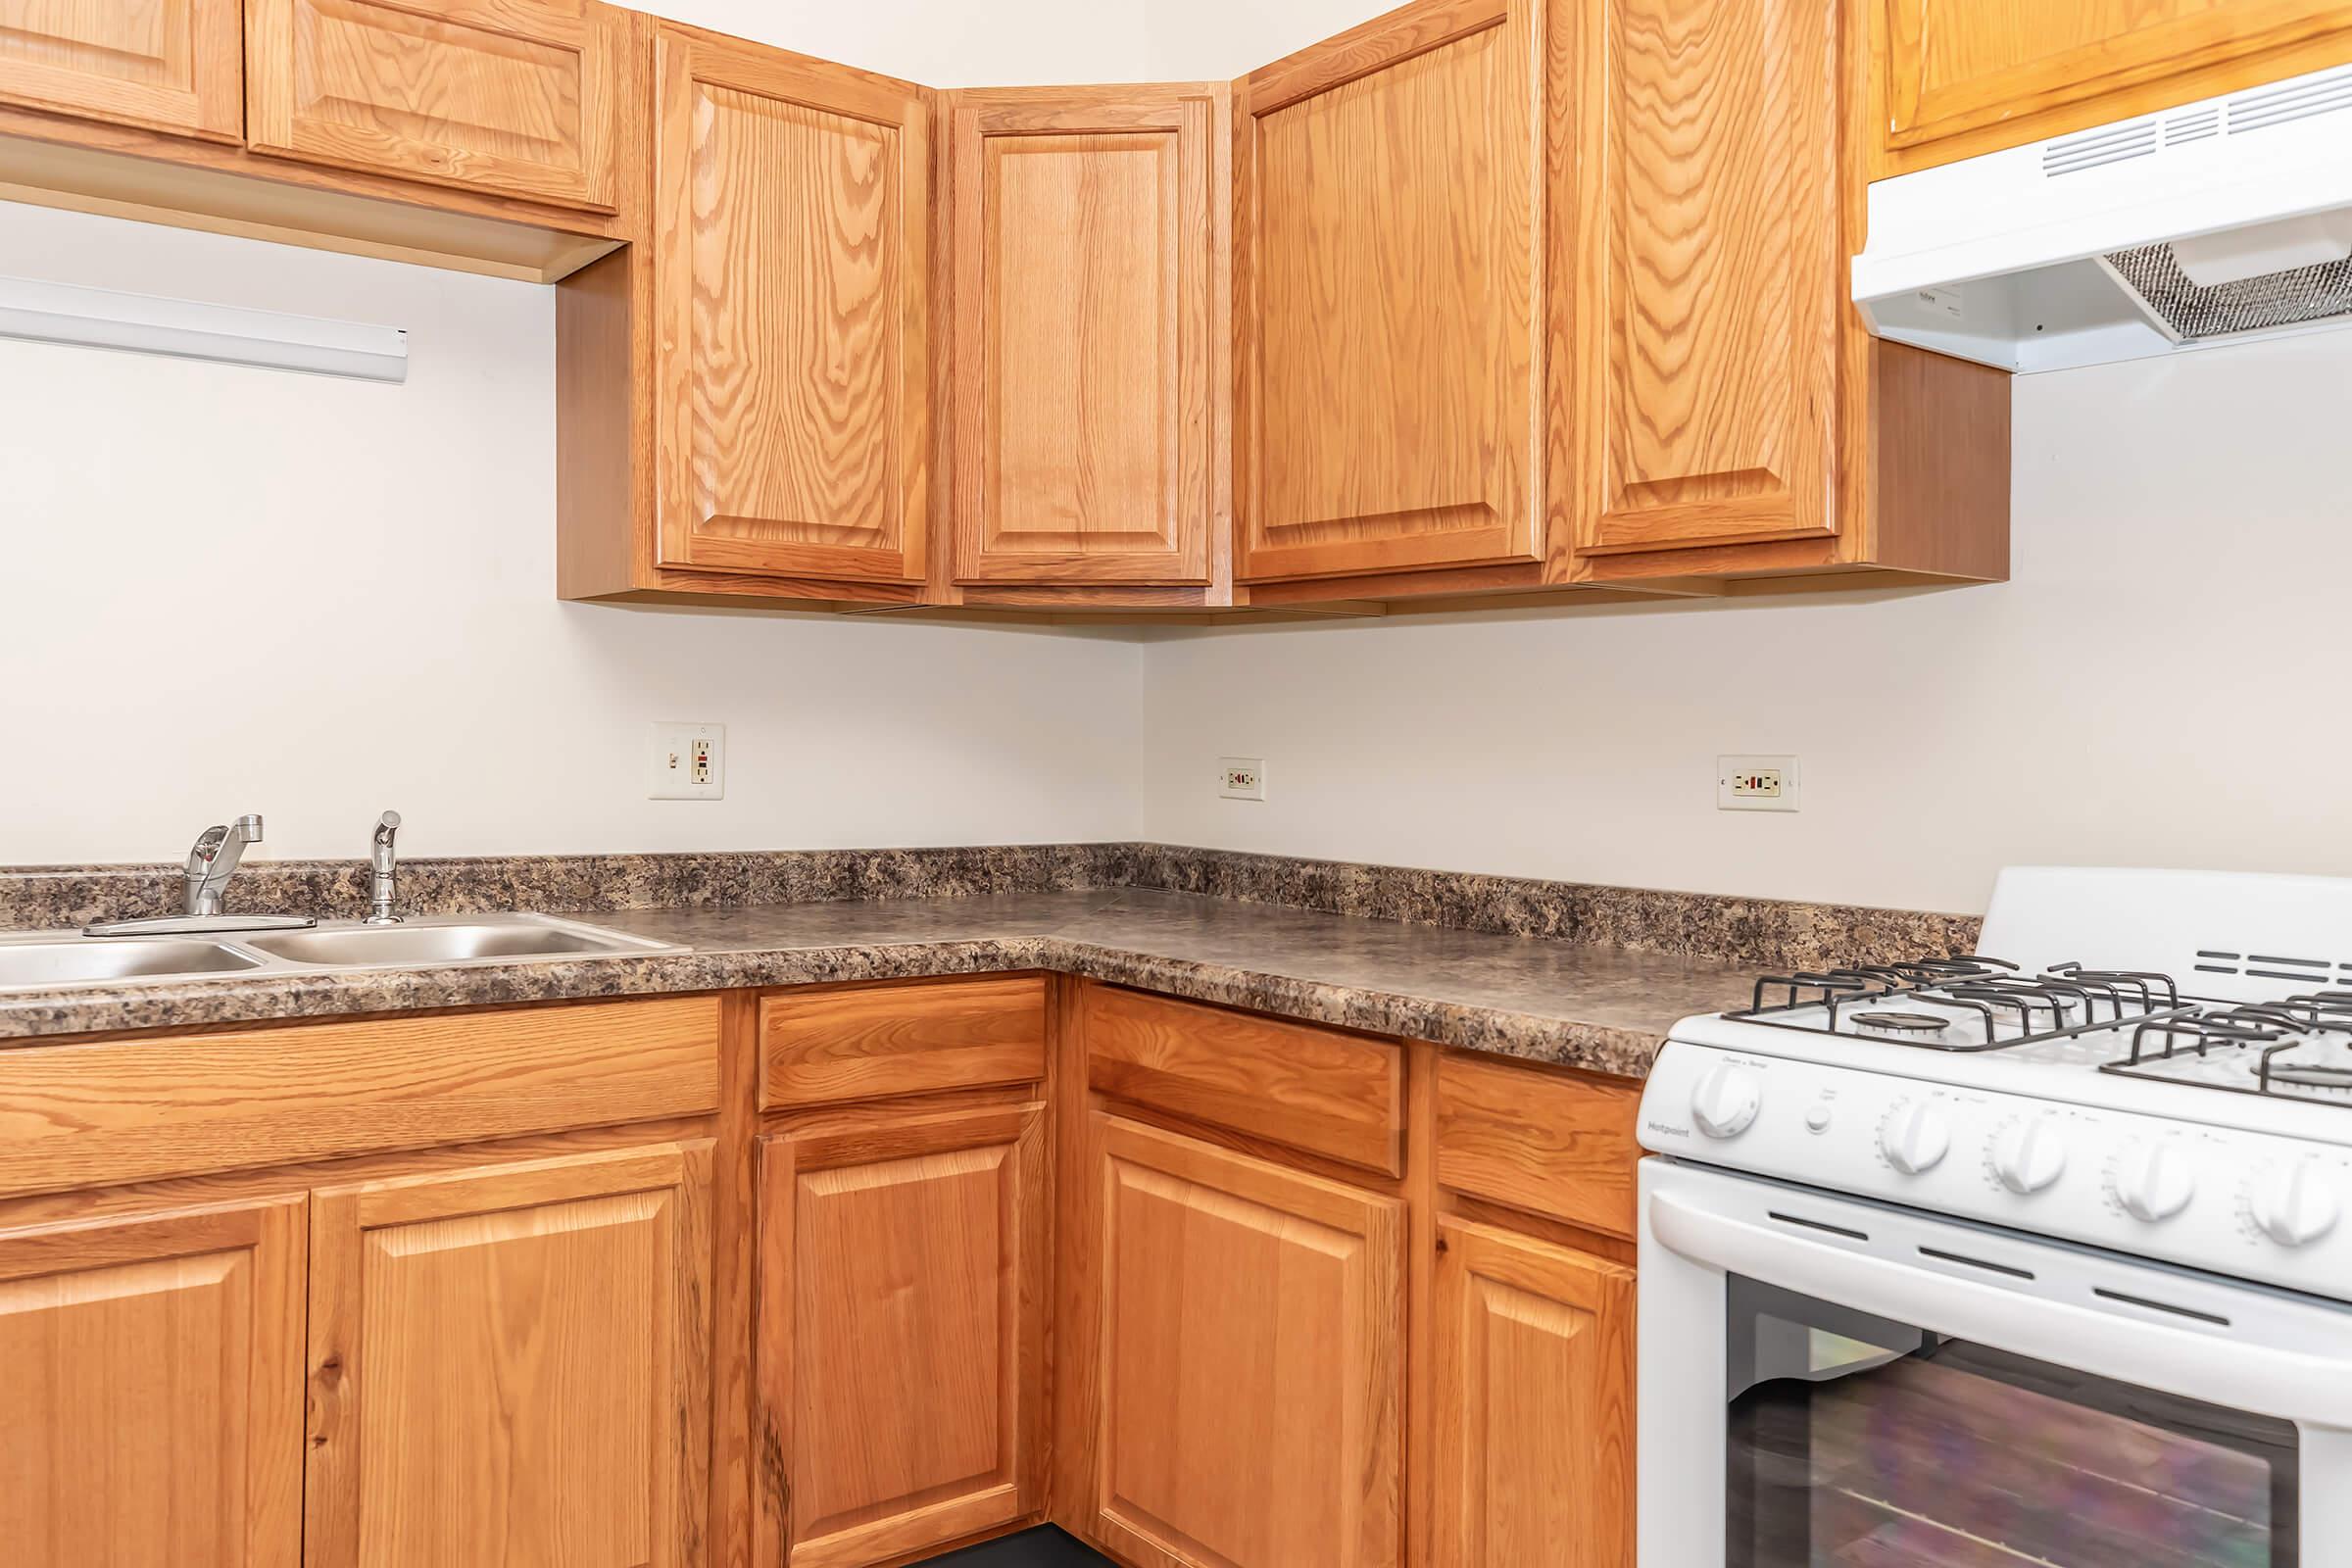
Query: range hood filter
x,y
2191,313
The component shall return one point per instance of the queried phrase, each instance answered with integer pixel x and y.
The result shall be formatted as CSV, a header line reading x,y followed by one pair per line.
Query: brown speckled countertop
x,y
1603,1008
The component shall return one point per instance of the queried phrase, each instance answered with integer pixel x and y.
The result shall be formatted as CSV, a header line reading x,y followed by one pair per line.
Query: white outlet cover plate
x,y
1242,778
670,762
1733,792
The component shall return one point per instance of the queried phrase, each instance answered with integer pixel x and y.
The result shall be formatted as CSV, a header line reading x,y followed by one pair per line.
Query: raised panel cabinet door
x,y
518,97
792,211
2023,73
901,1338
1709,291
166,64
1082,400
1533,1418
1386,289
151,1389
509,1364
1252,1370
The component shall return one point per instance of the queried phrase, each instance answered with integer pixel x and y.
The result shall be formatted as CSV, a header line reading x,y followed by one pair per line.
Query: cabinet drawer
x,y
1319,1090
877,1042
1553,1142
110,1111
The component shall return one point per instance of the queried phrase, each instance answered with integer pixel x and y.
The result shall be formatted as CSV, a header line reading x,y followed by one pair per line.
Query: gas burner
x,y
1966,1003
1901,1023
2264,1047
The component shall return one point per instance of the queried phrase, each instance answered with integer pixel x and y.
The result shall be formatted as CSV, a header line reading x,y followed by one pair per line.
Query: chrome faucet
x,y
211,863
214,861
382,880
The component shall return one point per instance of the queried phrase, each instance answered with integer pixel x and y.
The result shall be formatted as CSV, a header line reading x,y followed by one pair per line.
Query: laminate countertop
x,y
1597,1008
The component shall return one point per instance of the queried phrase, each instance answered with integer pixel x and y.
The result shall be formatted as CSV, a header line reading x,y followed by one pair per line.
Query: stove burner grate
x,y
2279,1031
2007,1007
1904,1023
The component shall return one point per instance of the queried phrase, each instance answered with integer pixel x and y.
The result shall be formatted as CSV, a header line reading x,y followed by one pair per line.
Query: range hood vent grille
x,y
2251,304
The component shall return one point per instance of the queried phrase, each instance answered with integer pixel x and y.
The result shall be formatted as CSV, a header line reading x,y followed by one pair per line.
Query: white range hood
x,y
2214,222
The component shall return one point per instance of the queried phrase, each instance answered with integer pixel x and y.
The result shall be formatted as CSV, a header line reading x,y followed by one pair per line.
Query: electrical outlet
x,y
1755,783
689,762
1242,778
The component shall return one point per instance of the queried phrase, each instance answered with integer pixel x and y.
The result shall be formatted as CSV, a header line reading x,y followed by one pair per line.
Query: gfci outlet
x,y
689,762
1755,783
1242,778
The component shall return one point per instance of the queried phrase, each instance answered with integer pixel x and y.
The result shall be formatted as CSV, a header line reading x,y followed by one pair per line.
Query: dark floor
x,y
1044,1547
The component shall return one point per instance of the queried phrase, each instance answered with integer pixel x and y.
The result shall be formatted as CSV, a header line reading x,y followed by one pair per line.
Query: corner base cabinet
x,y
1251,1362
900,1333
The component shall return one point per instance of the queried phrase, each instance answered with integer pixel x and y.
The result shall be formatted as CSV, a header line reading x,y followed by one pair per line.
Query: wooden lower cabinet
x,y
150,1390
1532,1418
1251,1360
509,1364
899,1333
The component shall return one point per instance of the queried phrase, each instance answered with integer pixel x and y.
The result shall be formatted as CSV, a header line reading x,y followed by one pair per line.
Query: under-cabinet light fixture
x,y
190,329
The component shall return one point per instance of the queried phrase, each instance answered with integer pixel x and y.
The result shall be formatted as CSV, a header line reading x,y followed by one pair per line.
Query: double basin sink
x,y
43,960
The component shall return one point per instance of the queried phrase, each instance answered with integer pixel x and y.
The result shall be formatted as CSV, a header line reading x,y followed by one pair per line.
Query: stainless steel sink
x,y
40,960
443,942
77,961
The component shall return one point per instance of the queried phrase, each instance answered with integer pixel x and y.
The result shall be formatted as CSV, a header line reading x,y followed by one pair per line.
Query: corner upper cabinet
x,y
151,1389
1722,410
1087,394
1387,296
165,65
1966,77
522,98
791,283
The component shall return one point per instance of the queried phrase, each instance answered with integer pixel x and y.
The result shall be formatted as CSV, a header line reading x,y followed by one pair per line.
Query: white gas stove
x,y
2090,1180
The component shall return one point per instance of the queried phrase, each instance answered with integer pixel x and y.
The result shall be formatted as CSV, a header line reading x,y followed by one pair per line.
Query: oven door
x,y
1828,1383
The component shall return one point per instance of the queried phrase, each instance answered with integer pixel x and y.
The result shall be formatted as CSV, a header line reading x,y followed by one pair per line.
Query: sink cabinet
x,y
153,1387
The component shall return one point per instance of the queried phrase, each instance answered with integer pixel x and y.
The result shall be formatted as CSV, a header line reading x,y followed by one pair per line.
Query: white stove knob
x,y
1914,1137
1726,1100
2292,1201
2029,1153
2152,1179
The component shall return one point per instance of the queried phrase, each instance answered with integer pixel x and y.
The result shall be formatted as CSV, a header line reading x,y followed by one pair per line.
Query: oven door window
x,y
1859,1443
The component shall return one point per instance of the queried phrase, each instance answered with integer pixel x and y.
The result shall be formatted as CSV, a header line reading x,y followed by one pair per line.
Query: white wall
x,y
226,590
2164,682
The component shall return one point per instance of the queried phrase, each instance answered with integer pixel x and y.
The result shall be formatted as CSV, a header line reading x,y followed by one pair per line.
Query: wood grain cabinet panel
x,y
1084,393
1965,77
792,211
510,1365
1708,276
1387,293
151,1389
900,1341
1552,1143
822,1046
1251,1365
518,97
166,65
1534,1446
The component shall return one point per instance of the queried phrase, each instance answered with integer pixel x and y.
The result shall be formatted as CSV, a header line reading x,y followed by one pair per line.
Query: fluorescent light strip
x,y
190,329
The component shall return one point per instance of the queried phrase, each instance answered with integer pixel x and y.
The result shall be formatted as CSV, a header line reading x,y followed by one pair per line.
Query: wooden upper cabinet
x,y
1387,279
1251,1370
1966,76
1534,1408
1709,279
791,211
509,1364
518,97
900,1340
151,1389
1086,395
166,64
